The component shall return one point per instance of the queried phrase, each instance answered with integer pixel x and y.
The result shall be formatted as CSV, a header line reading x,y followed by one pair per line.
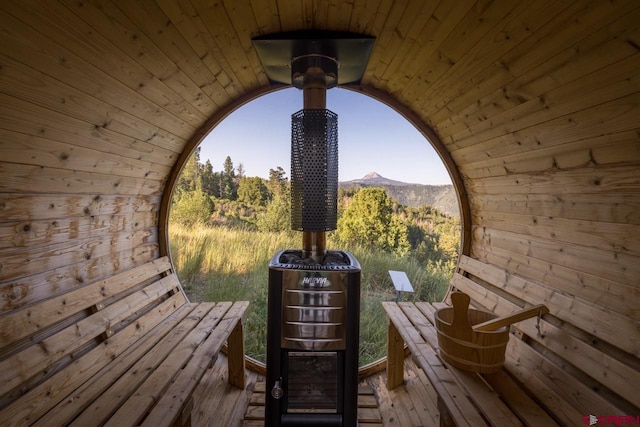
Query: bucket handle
x,y
460,324
498,322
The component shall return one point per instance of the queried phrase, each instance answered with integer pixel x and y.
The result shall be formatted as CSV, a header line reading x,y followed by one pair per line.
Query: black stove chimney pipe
x,y
314,159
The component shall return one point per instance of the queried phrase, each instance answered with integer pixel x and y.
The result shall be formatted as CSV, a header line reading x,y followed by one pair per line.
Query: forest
x,y
225,226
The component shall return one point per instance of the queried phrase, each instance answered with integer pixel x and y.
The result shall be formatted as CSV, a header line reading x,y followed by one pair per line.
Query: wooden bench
x,y
125,351
553,373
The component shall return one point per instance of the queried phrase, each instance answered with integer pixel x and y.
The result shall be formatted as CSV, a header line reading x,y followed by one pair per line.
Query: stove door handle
x,y
277,392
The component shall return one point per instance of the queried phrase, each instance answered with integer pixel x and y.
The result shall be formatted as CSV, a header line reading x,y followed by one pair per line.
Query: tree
x,y
192,208
240,173
369,220
277,182
277,217
210,180
228,187
189,177
253,191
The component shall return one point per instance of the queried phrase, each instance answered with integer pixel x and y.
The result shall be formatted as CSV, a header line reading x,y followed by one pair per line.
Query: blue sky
x,y
372,137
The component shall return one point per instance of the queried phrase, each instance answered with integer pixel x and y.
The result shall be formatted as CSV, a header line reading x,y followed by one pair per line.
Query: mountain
x,y
374,178
441,197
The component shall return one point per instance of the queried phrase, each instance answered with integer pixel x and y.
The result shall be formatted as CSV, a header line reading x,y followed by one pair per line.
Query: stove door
x,y
312,383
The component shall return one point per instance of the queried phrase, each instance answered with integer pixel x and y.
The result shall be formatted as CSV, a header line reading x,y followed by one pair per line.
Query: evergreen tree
x,y
208,179
228,186
240,173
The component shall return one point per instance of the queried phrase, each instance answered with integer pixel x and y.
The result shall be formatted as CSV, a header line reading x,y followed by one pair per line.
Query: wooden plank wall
x,y
97,102
536,102
552,164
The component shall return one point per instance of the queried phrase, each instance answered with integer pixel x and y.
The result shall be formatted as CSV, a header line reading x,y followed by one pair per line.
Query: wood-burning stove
x,y
312,340
314,294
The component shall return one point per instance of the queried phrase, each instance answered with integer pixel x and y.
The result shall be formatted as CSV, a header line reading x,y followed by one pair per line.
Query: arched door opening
x,y
235,187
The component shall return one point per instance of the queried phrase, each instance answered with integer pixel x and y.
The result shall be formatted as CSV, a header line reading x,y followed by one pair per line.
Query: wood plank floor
x,y
221,404
412,404
368,413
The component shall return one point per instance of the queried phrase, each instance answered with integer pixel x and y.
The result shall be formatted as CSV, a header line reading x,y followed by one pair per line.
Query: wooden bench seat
x,y
540,383
128,350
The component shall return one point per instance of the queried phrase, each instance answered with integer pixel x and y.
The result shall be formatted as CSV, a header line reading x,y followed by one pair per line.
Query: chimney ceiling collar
x,y
286,56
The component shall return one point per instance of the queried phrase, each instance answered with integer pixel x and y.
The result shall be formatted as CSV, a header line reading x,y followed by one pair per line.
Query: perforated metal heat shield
x,y
314,170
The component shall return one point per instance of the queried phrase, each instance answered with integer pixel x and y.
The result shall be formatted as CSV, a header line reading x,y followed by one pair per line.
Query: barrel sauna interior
x,y
533,107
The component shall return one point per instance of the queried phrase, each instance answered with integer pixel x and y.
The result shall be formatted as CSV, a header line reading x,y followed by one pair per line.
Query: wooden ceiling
x,y
534,104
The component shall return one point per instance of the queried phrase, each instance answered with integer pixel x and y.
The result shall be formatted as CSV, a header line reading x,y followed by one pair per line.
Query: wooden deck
x,y
413,404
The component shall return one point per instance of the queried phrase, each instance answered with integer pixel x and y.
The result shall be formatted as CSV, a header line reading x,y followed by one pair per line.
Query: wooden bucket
x,y
464,348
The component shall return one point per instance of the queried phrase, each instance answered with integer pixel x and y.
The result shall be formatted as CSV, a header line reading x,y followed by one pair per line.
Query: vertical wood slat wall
x,y
537,104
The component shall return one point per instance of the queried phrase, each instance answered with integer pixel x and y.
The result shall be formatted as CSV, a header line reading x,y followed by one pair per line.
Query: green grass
x,y
216,263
